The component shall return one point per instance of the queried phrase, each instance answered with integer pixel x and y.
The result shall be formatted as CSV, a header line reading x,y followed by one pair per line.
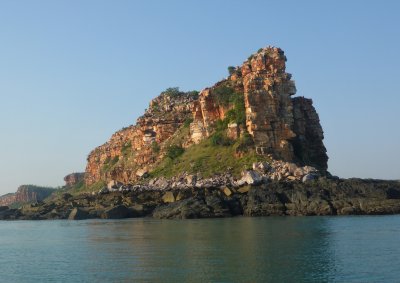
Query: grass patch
x,y
208,159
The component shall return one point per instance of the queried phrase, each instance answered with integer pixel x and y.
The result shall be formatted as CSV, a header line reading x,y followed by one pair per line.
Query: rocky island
x,y
244,146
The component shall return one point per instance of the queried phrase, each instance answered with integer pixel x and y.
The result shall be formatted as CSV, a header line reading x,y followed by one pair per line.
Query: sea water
x,y
265,249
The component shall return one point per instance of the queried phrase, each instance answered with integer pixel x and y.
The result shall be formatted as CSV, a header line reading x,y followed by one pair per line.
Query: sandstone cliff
x,y
288,128
26,193
255,102
138,146
73,179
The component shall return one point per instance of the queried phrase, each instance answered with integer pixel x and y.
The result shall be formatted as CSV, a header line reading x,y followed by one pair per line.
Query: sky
x,y
74,72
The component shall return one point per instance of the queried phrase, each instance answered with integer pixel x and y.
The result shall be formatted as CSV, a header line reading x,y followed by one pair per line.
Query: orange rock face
x,y
135,147
285,127
26,193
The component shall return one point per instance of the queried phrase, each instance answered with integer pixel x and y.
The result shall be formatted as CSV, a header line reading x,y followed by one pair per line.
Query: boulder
x,y
66,196
142,173
161,183
113,185
244,189
309,169
184,209
103,191
309,177
116,212
78,214
239,183
227,191
299,172
191,180
261,166
291,167
168,197
251,177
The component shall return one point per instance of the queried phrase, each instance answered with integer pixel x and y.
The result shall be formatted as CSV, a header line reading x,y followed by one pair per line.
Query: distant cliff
x,y
73,179
25,194
249,116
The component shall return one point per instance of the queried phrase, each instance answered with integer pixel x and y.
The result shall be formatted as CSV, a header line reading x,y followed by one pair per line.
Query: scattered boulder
x,y
142,173
191,180
66,196
309,177
161,183
113,185
168,197
227,191
116,212
184,209
244,189
103,191
261,167
251,177
78,214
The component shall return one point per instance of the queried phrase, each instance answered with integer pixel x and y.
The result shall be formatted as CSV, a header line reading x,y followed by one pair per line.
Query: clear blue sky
x,y
74,72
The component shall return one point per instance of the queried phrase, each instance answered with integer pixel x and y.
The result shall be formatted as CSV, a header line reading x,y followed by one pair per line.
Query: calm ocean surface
x,y
268,249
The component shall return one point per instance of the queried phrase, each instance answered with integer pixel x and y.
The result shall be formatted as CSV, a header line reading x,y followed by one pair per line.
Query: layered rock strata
x,y
286,127
137,146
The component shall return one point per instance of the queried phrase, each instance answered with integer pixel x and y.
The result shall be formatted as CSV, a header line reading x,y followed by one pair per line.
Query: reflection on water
x,y
273,249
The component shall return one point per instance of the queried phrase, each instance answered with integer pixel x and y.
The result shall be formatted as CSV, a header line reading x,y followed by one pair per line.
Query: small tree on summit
x,y
172,91
231,70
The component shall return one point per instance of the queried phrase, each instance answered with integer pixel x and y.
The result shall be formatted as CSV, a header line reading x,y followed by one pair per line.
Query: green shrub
x,y
244,143
114,160
220,138
223,94
155,147
231,70
187,122
193,93
172,91
109,163
107,160
226,96
126,148
155,106
174,151
221,125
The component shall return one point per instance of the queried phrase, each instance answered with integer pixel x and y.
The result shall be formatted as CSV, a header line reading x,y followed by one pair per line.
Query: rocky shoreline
x,y
321,196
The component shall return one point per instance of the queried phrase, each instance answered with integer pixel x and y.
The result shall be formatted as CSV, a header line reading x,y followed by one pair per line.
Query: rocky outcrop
x,y
255,100
26,193
137,147
285,127
321,196
73,179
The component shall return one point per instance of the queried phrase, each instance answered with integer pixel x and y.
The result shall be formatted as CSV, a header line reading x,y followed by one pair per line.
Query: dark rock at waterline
x,y
314,197
188,208
117,212
3,208
78,214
